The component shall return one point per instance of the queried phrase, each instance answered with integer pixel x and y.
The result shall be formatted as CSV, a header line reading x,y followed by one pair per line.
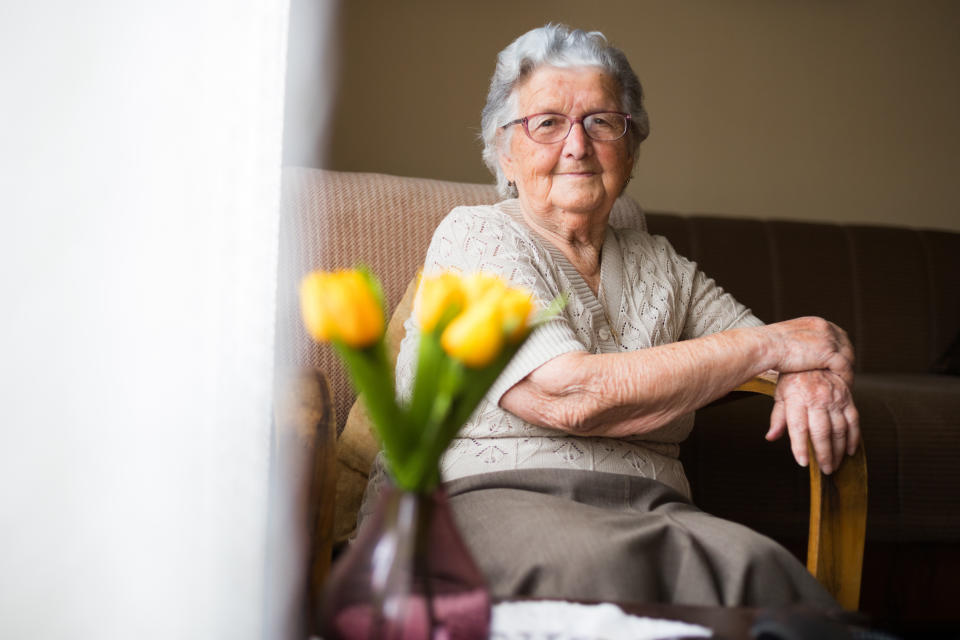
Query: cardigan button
x,y
604,333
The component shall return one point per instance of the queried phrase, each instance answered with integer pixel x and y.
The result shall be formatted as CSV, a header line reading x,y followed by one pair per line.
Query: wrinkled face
x,y
578,174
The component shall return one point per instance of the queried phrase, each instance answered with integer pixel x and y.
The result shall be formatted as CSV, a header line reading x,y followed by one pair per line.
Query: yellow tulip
x,y
479,284
341,306
440,297
475,337
316,318
516,305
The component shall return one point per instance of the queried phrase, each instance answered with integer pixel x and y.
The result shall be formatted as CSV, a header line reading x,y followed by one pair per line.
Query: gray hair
x,y
554,45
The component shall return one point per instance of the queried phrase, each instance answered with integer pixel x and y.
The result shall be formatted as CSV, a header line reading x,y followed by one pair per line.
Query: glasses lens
x,y
548,127
605,126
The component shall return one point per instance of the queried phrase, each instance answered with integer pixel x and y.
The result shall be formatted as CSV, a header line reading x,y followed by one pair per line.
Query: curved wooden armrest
x,y
838,517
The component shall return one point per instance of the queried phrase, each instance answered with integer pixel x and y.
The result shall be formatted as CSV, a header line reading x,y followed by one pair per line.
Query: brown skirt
x,y
586,535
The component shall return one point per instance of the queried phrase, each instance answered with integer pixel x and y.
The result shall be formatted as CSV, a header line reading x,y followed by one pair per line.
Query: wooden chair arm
x,y
838,517
305,458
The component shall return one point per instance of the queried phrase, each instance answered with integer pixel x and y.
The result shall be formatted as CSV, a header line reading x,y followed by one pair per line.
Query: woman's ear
x,y
503,155
506,164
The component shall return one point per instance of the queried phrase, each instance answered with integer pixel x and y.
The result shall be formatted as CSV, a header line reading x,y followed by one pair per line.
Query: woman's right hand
x,y
816,407
809,343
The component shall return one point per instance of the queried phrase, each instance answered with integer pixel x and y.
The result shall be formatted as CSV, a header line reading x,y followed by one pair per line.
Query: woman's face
x,y
577,175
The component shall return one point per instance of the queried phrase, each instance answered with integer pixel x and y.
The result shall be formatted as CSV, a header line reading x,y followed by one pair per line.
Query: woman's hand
x,y
809,343
816,405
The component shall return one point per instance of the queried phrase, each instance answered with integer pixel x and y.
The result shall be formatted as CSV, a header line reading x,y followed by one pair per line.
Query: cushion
x,y
357,445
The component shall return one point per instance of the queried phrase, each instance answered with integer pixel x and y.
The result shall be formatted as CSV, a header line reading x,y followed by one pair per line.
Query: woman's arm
x,y
629,393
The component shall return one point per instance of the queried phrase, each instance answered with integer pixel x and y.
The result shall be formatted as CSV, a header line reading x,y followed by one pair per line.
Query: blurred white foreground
x,y
140,148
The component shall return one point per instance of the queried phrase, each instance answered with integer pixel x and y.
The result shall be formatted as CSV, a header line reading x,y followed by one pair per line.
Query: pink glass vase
x,y
407,576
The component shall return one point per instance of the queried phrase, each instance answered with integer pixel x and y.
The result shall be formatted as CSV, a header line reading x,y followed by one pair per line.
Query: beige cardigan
x,y
649,295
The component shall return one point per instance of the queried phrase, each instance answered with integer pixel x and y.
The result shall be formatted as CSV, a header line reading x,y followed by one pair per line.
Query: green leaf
x,y
434,434
430,361
372,376
553,309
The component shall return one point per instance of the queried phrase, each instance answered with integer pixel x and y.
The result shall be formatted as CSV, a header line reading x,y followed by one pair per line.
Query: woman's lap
x,y
560,533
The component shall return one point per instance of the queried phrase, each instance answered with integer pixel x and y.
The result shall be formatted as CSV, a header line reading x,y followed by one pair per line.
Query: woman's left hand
x,y
817,405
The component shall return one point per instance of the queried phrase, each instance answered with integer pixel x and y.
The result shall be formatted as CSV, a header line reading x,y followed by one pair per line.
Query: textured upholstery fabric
x,y
336,220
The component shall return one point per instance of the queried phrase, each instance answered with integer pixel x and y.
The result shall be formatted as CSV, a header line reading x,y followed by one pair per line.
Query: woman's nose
x,y
577,144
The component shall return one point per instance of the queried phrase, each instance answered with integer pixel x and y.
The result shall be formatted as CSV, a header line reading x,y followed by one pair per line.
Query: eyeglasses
x,y
547,128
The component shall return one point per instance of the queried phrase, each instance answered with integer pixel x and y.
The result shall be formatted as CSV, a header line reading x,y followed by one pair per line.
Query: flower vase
x,y
407,576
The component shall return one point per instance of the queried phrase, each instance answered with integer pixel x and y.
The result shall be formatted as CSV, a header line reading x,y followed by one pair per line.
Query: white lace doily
x,y
558,620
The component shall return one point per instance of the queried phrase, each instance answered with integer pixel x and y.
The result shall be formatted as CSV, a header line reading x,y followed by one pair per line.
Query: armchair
x,y
334,219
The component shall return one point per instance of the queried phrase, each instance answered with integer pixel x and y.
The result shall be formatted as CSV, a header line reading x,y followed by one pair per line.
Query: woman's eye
x,y
600,122
546,123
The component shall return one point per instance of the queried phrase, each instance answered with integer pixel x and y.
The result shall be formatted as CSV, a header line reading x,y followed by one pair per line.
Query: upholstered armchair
x,y
335,219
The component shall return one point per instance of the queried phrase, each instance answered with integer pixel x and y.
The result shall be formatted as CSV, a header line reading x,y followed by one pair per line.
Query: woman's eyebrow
x,y
553,107
572,114
540,108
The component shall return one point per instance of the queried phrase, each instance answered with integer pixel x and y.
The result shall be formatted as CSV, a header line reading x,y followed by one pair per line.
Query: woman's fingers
x,y
828,435
852,417
778,421
816,426
840,433
798,428
817,407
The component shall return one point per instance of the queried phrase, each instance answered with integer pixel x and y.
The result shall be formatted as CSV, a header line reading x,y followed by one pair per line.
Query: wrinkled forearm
x,y
630,393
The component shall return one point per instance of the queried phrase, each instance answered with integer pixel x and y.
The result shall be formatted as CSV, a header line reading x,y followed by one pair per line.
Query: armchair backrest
x,y
333,219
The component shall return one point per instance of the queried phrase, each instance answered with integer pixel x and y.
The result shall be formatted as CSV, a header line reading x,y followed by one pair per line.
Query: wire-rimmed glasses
x,y
547,128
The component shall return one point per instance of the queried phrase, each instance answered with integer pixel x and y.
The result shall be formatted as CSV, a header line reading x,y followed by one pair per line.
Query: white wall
x,y
140,147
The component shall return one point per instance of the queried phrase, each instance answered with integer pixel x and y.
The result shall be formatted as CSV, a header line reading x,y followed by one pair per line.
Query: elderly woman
x,y
566,482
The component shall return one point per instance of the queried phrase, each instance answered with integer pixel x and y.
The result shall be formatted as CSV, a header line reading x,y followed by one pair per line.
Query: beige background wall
x,y
841,110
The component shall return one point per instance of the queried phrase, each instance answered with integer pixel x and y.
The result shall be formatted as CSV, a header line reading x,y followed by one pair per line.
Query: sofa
x,y
895,289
